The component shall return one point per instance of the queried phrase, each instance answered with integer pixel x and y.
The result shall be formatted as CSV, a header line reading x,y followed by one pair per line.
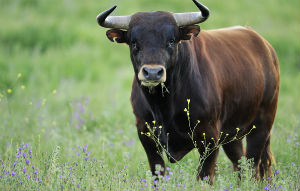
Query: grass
x,y
76,88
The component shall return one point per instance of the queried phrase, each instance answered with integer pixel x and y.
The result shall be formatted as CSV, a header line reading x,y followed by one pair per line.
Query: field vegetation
x,y
66,121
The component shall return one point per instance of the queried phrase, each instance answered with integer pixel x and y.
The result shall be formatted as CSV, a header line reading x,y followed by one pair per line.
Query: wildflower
x,y
170,173
144,180
24,170
87,158
9,91
177,185
21,182
22,87
266,188
185,110
293,164
30,155
203,134
24,155
154,122
226,189
18,155
14,164
168,169
125,167
35,172
206,178
77,185
148,134
29,151
188,101
54,91
297,143
13,173
85,148
237,129
142,133
77,153
227,134
254,127
276,172
19,75
44,101
160,127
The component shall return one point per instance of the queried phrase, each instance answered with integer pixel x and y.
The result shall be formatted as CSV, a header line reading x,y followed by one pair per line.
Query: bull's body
x,y
230,76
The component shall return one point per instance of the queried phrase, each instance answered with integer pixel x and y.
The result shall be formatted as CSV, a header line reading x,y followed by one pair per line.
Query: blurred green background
x,y
76,83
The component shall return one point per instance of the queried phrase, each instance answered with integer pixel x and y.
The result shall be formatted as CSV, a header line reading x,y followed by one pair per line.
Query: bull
x,y
230,76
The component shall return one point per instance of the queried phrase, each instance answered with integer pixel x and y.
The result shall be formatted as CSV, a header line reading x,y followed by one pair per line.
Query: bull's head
x,y
153,38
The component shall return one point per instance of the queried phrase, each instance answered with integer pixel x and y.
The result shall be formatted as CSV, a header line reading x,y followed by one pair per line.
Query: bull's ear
x,y
117,35
186,32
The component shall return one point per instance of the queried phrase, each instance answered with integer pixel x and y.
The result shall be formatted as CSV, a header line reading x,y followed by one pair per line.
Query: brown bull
x,y
231,76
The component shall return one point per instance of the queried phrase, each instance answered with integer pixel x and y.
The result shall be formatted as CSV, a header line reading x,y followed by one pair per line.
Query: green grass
x,y
58,46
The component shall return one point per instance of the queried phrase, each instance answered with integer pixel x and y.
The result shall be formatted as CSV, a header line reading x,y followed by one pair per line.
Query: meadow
x,y
66,121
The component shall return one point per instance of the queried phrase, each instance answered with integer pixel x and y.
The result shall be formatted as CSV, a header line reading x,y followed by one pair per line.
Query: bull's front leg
x,y
208,150
153,152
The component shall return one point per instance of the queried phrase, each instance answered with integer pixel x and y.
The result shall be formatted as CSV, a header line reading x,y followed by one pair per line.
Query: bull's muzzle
x,y
152,75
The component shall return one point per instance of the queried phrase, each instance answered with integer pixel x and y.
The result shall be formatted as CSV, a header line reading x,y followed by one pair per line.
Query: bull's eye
x,y
134,46
171,43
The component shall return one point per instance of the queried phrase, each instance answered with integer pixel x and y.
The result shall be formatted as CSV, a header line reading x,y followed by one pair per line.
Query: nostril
x,y
160,73
145,73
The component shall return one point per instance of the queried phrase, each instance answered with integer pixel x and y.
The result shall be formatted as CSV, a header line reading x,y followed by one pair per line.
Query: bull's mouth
x,y
150,83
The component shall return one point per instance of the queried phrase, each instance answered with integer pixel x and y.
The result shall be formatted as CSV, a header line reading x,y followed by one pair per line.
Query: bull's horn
x,y
190,18
117,22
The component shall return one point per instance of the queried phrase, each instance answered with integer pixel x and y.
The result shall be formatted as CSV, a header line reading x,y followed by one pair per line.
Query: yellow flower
x,y
142,133
185,110
54,91
237,129
203,134
154,122
148,134
187,113
44,101
19,75
254,127
227,134
9,91
188,100
202,142
198,121
160,127
22,87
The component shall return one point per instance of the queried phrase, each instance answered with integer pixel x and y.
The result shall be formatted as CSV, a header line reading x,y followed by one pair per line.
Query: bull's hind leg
x,y
234,151
258,142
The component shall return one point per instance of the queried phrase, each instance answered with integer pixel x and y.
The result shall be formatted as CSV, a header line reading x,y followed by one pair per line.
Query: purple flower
x,y
168,168
29,151
85,148
35,172
178,185
30,155
266,188
77,153
32,166
88,153
21,182
18,155
297,143
288,140
206,178
14,164
77,185
24,155
78,147
276,172
28,177
27,162
293,164
13,173
170,173
24,170
125,167
226,189
163,189
144,180
87,158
